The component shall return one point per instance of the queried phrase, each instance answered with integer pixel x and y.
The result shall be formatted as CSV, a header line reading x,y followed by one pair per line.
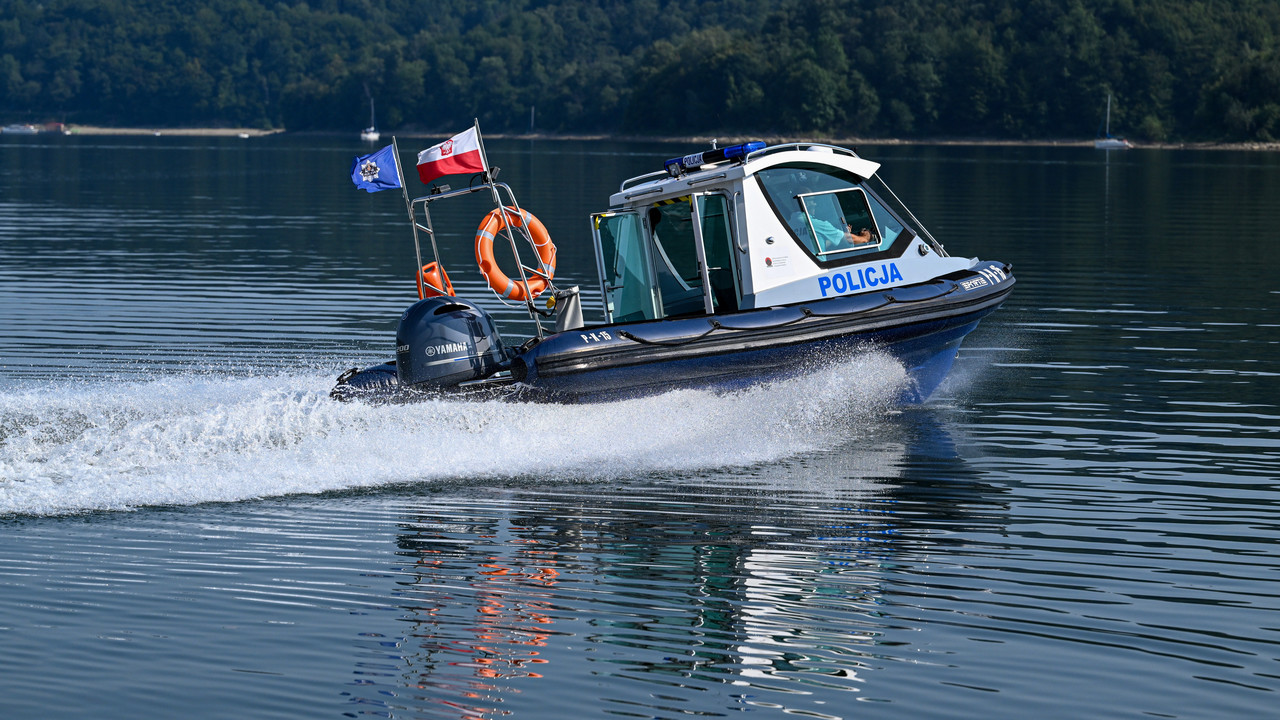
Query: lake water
x,y
1083,522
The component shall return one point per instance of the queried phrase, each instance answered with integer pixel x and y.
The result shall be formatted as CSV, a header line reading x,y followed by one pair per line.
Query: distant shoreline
x,y
174,132
689,139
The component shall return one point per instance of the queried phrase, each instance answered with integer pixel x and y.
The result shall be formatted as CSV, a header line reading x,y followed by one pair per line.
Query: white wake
x,y
71,447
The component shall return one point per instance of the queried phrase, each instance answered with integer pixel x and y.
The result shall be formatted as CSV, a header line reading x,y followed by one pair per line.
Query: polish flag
x,y
458,154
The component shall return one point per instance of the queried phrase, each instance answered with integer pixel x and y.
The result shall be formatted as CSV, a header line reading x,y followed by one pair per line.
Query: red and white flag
x,y
458,154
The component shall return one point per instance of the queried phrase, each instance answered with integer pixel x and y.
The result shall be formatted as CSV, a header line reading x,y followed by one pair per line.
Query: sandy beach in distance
x,y
179,132
691,139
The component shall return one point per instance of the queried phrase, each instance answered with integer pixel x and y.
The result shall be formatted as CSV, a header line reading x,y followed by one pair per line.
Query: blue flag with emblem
x,y
378,171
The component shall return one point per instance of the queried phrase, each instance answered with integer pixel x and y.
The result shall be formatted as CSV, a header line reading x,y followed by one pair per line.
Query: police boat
x,y
729,267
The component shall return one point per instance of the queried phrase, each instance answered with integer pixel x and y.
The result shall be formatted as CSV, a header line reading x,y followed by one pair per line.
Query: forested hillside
x,y
1207,69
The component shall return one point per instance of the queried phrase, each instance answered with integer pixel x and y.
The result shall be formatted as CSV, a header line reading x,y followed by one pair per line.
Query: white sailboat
x,y
1106,142
370,134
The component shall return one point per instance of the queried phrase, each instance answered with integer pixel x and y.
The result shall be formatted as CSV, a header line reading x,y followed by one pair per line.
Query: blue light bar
x,y
676,166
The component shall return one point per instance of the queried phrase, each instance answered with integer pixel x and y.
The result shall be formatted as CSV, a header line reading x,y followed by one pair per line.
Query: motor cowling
x,y
443,341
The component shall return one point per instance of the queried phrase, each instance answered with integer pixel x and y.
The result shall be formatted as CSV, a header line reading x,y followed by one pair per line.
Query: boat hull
x,y
926,350
920,325
1112,144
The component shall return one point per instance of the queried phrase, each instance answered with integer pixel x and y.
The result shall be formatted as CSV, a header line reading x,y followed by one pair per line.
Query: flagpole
x,y
408,206
400,174
484,157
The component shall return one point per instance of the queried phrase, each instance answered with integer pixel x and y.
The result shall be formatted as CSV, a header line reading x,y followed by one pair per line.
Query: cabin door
x,y
623,259
693,260
720,271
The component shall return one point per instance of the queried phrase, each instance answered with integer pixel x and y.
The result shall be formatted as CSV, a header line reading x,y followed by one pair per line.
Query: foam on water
x,y
73,447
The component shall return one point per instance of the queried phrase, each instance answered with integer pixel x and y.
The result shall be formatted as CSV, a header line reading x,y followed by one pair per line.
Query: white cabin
x,y
770,226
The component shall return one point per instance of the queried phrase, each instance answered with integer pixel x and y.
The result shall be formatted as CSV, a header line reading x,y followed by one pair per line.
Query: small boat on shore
x,y
371,134
19,129
726,268
1107,141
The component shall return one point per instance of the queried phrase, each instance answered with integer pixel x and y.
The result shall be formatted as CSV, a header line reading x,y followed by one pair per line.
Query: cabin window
x,y
829,212
890,226
836,222
625,267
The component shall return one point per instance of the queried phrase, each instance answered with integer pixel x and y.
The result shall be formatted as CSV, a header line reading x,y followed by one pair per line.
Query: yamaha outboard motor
x,y
443,341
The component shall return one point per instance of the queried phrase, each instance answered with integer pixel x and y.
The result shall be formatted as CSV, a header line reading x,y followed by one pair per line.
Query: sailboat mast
x,y
1108,114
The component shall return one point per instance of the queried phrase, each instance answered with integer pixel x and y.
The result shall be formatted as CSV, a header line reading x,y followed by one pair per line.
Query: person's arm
x,y
861,237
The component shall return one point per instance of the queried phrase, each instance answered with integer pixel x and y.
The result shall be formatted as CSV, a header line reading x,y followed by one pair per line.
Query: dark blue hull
x,y
921,325
926,350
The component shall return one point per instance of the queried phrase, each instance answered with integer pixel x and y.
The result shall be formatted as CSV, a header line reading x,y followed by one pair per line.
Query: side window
x,y
840,221
671,223
828,211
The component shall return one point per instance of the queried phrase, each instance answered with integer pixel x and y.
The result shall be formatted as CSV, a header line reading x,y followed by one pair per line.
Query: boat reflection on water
x,y
770,577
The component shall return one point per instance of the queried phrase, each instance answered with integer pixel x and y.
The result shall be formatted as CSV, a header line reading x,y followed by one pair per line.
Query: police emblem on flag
x,y
366,170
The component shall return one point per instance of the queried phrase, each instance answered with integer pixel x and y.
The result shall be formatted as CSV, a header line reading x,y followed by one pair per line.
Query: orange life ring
x,y
490,226
433,282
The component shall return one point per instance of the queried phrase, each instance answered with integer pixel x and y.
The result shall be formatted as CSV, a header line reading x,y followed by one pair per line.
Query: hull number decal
x,y
595,337
867,277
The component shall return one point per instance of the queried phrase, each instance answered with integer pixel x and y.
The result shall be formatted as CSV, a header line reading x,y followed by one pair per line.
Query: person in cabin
x,y
833,230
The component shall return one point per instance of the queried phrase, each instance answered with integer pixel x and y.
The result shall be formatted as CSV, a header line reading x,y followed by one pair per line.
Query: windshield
x,y
626,275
